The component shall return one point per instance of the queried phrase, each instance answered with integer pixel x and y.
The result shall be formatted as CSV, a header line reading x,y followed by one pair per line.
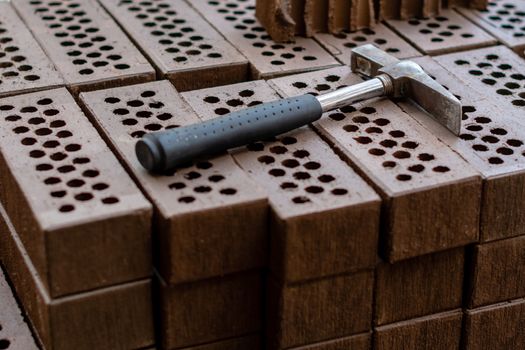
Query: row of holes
x,y
446,30
508,16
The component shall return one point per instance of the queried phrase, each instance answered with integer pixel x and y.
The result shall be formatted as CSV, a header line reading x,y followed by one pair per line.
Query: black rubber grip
x,y
165,150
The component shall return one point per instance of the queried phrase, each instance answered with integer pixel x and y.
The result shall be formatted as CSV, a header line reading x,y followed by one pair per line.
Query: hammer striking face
x,y
164,150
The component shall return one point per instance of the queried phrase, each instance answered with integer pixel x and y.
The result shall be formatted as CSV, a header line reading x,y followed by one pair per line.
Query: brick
x,y
439,331
491,143
362,14
14,331
23,65
499,326
212,218
252,342
496,272
81,218
340,45
210,310
355,342
316,16
306,313
503,19
431,195
324,217
108,318
183,47
338,15
237,23
276,17
86,46
441,34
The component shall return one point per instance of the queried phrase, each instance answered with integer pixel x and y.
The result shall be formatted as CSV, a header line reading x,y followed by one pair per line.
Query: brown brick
x,y
448,32
355,342
316,16
210,310
212,218
87,47
237,23
23,65
317,201
81,218
420,286
113,317
431,195
252,342
338,15
276,17
439,332
314,311
181,44
500,326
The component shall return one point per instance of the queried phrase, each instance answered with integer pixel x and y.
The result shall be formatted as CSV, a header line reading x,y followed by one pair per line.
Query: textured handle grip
x,y
165,150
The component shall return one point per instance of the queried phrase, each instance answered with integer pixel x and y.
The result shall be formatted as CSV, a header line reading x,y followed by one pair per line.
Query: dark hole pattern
x,y
441,29
86,45
241,15
402,157
506,16
171,30
351,40
44,138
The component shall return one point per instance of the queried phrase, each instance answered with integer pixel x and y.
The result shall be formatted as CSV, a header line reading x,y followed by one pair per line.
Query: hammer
x,y
162,151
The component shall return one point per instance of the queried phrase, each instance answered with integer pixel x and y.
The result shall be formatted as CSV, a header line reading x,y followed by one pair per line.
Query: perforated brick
x,y
181,44
317,201
235,19
83,221
23,65
493,144
86,46
504,19
341,45
432,195
447,32
120,316
14,332
212,216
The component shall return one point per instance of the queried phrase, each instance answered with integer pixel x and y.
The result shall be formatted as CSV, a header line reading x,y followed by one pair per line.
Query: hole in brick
x,y
441,169
44,167
66,169
66,208
301,175
388,143
228,191
110,200
389,164
300,200
51,144
277,172
339,191
52,181
314,189
202,189
426,157
58,194
290,163
404,177
84,196
73,147
376,152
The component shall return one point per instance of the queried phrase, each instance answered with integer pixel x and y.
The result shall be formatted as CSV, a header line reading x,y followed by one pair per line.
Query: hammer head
x,y
409,80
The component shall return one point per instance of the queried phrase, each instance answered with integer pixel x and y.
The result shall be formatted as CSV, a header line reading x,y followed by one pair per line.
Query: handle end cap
x,y
149,155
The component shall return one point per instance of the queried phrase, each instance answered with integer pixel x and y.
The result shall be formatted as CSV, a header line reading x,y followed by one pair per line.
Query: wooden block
x,y
210,310
341,45
235,20
420,286
23,65
252,342
441,34
109,318
14,331
82,220
212,218
491,143
502,19
439,331
181,44
362,14
275,16
496,272
306,313
499,326
316,16
324,217
431,195
338,15
86,46
355,342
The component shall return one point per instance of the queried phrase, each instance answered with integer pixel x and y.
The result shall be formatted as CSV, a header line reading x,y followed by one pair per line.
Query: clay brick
x,y
362,14
14,332
86,46
212,218
439,332
499,326
420,286
340,45
252,342
316,16
410,9
338,15
496,272
389,9
81,218
109,318
493,145
503,19
275,16
314,311
324,217
445,33
210,310
23,65
235,20
431,195
355,342
183,47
